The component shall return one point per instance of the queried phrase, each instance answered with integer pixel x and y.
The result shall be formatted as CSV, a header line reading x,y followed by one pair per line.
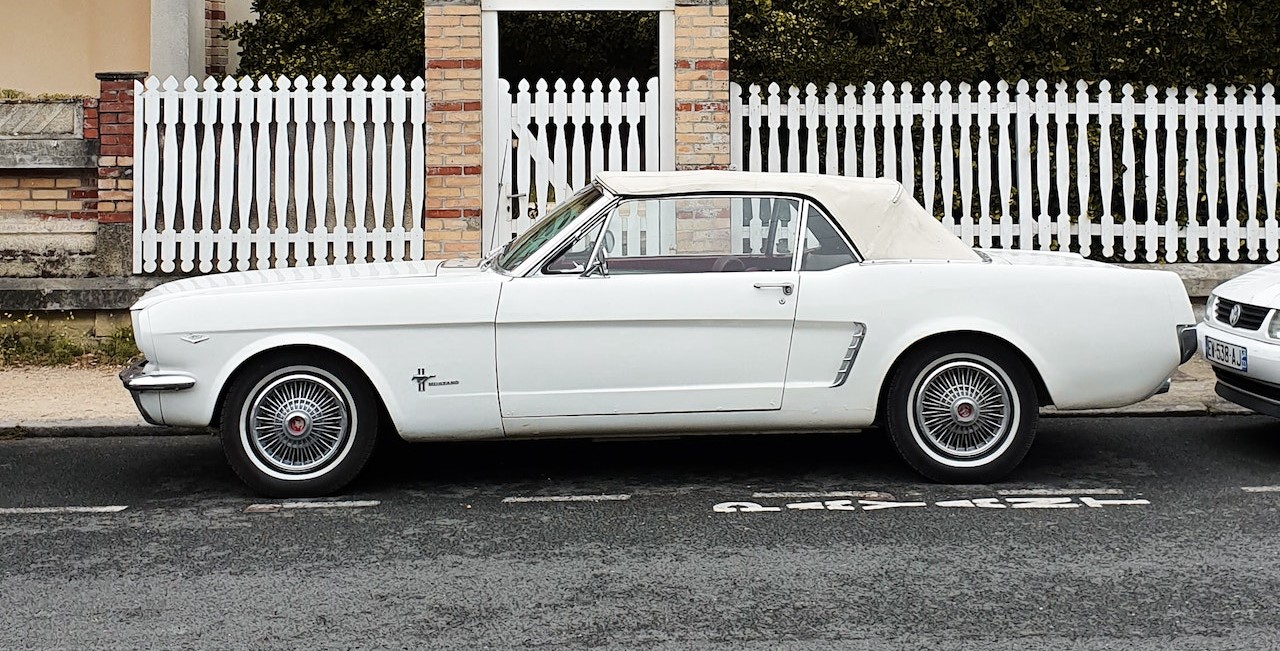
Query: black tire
x,y
962,411
317,422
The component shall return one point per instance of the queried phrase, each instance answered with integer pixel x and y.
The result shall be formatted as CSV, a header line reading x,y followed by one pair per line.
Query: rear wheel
x,y
299,424
962,412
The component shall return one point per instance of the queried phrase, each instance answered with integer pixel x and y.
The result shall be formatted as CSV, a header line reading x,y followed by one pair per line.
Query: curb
x,y
91,429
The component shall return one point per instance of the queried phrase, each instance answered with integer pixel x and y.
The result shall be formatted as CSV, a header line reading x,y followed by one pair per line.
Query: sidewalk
x,y
90,402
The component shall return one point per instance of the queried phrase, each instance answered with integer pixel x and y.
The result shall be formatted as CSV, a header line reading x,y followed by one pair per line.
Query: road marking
x,y
793,495
1089,501
1260,489
876,505
566,498
32,510
977,503
1071,492
342,504
1042,503
743,507
1046,502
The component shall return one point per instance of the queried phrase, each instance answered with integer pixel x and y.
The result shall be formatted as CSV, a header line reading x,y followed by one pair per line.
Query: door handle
x,y
786,288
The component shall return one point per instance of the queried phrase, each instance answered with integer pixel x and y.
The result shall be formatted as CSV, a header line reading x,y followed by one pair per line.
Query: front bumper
x,y
1257,388
145,387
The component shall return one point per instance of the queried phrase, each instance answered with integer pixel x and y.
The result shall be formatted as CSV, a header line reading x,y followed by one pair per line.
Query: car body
x,y
1240,338
659,304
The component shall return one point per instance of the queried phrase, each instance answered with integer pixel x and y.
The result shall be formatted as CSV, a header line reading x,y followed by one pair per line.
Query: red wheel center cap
x,y
297,425
965,411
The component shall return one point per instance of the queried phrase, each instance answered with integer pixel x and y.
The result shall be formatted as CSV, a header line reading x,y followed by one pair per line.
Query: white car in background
x,y
658,304
1240,337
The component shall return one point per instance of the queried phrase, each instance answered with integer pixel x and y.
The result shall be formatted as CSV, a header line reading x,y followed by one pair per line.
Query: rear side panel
x,y
1099,336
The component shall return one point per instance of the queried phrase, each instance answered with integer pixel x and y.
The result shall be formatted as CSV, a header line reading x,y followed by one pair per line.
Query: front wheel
x,y
962,413
299,425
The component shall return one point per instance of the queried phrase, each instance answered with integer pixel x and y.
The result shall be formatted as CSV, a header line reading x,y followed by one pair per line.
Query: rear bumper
x,y
146,387
1188,342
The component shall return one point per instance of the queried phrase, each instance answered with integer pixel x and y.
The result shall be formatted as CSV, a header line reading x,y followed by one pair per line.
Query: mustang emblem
x,y
194,338
422,378
1235,315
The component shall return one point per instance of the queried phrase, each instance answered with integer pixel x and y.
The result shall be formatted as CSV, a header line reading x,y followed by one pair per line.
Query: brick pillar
x,y
455,134
702,84
215,47
115,146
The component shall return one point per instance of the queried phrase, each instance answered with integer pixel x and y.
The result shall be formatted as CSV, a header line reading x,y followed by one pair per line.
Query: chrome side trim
x,y
135,378
850,355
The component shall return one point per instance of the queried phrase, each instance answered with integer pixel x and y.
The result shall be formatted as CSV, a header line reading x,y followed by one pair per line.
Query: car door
x,y
693,312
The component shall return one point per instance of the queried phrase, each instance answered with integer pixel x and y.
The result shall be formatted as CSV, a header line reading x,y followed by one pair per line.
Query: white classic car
x,y
659,304
1240,337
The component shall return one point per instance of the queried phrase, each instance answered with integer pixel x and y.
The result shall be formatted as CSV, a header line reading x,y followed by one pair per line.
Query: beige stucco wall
x,y
56,46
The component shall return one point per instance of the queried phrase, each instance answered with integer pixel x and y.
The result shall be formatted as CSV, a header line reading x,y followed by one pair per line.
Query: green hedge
x,y
1162,42
1158,42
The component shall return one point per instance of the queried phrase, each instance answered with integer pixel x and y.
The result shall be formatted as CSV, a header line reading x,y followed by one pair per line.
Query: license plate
x,y
1219,352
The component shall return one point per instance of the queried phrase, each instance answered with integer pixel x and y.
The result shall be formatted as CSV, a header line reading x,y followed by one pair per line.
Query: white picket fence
x,y
1142,173
278,173
556,136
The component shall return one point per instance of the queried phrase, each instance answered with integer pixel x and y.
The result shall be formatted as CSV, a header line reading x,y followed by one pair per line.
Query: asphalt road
x,y
1114,534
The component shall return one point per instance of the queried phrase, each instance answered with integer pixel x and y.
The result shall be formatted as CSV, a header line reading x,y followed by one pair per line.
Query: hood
x,y
299,276
1259,287
1040,258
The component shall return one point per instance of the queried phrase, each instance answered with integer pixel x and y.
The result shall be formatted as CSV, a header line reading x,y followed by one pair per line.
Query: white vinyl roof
x,y
884,222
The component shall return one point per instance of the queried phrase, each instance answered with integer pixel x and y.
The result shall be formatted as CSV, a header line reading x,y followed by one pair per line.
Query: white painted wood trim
x,y
577,5
492,131
667,87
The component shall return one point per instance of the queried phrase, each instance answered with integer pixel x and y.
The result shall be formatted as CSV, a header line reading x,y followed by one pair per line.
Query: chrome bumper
x,y
1187,342
135,378
145,388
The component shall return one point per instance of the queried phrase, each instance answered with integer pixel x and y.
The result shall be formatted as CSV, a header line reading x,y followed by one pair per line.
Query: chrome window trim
x,y
558,245
835,226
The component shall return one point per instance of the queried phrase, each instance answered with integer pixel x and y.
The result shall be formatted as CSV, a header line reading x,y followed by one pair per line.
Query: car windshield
x,y
546,228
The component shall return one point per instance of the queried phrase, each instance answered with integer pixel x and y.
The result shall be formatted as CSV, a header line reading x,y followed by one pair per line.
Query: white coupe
x,y
660,304
1240,338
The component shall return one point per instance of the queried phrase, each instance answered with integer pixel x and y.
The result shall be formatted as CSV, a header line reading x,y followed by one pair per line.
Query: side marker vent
x,y
846,364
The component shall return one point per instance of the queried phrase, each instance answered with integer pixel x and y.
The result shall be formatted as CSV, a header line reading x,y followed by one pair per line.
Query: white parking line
x,y
62,509
342,504
1060,491
1260,489
566,498
792,495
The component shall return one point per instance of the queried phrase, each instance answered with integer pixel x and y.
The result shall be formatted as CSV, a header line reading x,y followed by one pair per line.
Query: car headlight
x,y
1273,330
1211,307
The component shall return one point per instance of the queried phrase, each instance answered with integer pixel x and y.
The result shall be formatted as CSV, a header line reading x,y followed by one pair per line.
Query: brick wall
x,y
454,132
702,84
72,219
50,193
115,147
215,47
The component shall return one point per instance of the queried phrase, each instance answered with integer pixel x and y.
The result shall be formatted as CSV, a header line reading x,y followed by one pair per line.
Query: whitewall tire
x,y
962,411
299,424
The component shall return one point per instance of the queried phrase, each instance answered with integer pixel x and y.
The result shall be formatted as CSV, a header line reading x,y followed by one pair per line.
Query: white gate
x,y
554,137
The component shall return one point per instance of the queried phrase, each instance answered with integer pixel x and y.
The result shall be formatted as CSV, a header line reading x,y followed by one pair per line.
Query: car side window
x,y
575,258
701,234
824,247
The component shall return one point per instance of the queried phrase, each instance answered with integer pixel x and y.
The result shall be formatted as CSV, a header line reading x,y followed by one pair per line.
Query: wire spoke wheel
x,y
298,422
962,408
